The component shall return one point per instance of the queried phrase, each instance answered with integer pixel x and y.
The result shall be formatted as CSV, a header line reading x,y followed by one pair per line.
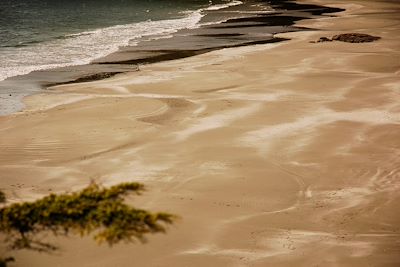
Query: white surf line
x,y
223,6
262,138
216,121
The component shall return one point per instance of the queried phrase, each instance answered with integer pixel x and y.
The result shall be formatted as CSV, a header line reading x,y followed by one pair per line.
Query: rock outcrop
x,y
349,38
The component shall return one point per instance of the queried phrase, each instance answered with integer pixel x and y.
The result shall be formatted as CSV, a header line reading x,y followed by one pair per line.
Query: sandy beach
x,y
283,154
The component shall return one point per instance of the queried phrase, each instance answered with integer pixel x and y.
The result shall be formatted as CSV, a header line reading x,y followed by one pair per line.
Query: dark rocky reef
x,y
349,38
355,38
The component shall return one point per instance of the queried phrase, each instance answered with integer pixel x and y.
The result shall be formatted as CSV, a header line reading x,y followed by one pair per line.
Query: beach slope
x,y
283,154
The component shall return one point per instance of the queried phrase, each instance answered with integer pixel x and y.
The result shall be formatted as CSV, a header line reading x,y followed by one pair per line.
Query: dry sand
x,y
273,155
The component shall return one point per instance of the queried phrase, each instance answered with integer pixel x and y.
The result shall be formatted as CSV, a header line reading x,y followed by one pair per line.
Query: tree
x,y
94,210
4,261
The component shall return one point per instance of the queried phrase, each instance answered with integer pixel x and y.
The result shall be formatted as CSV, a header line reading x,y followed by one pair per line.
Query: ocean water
x,y
45,34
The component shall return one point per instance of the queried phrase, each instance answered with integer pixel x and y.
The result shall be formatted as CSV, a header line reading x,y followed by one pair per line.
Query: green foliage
x,y
95,209
2,199
4,261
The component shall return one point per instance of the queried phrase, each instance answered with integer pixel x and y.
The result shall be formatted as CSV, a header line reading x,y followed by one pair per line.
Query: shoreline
x,y
279,155
236,31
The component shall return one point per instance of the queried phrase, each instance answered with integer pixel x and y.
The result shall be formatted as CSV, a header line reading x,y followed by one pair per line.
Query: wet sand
x,y
282,154
252,22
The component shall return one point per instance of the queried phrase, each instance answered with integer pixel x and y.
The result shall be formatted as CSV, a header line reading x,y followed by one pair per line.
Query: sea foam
x,y
82,48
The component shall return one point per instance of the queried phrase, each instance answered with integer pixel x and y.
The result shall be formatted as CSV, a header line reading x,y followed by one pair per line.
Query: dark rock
x,y
96,77
324,39
355,38
88,78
